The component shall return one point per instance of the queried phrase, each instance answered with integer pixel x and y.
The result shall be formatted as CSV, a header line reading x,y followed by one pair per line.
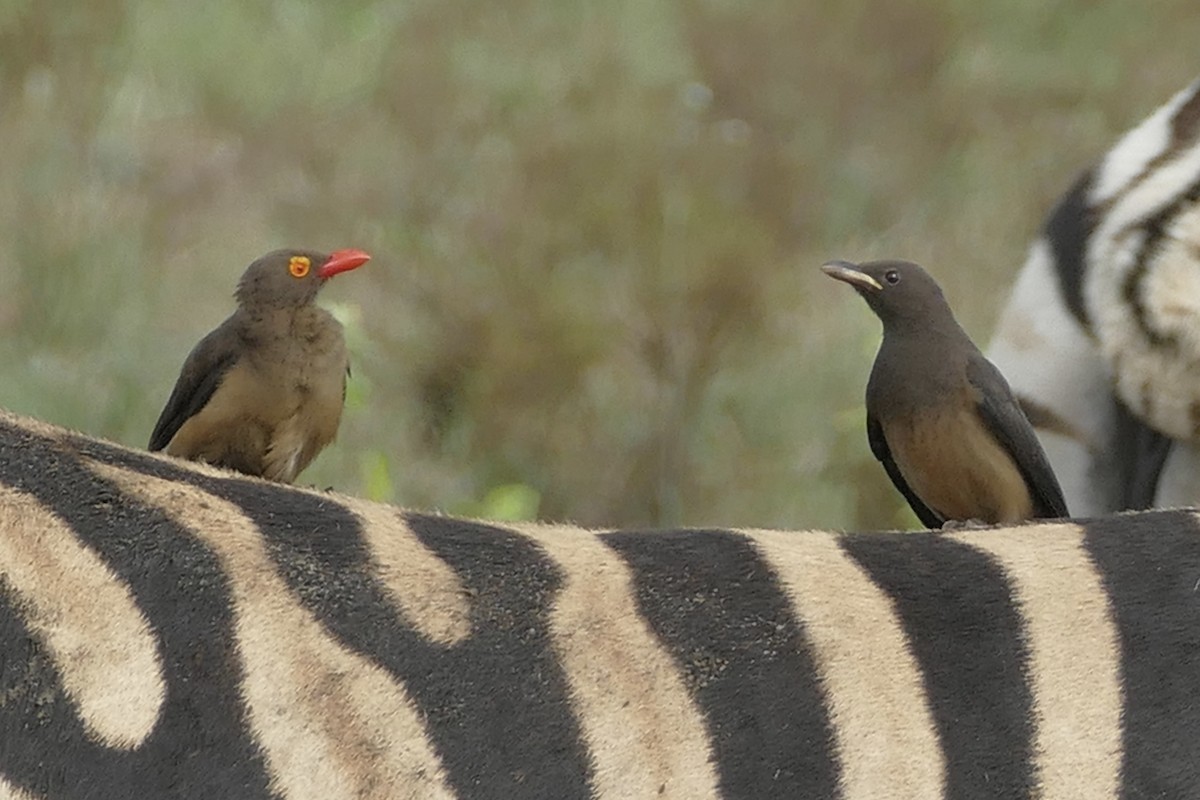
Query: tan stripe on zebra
x,y
10,792
85,615
887,744
425,590
331,722
646,736
1074,657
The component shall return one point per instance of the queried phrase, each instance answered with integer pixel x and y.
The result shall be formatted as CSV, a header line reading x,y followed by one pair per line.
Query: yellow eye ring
x,y
299,266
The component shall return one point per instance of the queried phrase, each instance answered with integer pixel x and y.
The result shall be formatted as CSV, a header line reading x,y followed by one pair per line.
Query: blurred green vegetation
x,y
596,228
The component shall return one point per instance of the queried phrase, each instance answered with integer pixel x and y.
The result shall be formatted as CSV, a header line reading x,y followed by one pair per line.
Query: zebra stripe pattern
x,y
169,630
1100,336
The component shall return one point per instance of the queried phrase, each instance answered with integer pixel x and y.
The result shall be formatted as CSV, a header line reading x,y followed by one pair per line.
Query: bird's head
x,y
899,292
292,278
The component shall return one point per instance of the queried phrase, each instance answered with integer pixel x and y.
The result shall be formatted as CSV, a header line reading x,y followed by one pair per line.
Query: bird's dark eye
x,y
892,277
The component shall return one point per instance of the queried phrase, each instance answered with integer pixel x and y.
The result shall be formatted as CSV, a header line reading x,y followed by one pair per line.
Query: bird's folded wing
x,y
202,372
1004,419
879,446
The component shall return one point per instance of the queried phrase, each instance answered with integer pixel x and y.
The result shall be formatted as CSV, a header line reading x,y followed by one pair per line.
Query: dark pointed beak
x,y
342,261
849,273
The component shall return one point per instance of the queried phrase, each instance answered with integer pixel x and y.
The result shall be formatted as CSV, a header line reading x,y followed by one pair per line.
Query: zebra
x,y
168,629
1100,338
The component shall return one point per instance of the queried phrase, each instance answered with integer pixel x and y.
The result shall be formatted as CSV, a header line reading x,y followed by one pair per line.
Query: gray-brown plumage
x,y
263,393
940,416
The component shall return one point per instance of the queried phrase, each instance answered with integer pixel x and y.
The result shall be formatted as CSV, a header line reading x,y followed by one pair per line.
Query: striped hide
x,y
1101,335
173,631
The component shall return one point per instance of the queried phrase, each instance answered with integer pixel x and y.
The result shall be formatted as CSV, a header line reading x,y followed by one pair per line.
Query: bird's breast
x,y
302,373
953,463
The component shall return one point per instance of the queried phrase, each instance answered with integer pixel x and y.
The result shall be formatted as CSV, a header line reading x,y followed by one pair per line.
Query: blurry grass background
x,y
596,229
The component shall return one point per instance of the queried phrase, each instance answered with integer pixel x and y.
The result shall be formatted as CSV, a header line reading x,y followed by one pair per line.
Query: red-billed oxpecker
x,y
263,393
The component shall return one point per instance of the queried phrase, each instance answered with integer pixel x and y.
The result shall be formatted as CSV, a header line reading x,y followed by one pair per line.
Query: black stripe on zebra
x,y
977,682
1150,565
1068,229
199,747
724,617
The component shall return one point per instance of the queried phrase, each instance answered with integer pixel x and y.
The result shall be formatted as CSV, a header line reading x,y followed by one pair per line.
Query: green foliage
x,y
510,502
375,475
596,228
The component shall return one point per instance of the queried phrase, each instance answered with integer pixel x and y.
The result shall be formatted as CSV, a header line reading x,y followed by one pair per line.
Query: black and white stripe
x,y
1101,337
169,630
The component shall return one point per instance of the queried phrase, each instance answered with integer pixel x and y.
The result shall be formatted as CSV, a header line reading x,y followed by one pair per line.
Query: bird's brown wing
x,y
1003,418
879,446
202,372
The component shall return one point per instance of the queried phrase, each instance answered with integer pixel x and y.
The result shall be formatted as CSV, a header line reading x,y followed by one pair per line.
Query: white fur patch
x,y
1047,356
101,643
1160,383
1179,484
1045,353
1130,156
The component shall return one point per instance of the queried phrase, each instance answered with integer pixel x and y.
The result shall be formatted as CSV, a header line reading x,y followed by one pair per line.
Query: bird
x,y
941,418
262,394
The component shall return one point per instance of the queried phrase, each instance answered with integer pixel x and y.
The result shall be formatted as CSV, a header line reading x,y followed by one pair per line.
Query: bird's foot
x,y
964,525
